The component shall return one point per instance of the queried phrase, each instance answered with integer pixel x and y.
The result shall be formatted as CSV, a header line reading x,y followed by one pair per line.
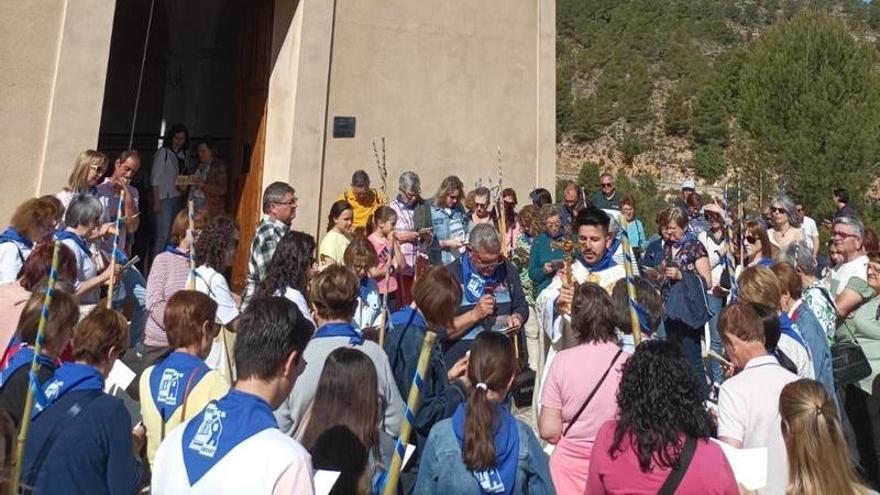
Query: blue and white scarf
x,y
11,234
340,330
605,262
70,377
64,235
173,378
24,356
500,478
220,427
474,283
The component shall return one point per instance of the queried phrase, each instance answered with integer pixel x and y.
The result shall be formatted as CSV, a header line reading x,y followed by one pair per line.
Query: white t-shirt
x,y
12,256
748,411
212,283
810,229
267,463
85,270
716,251
297,298
856,268
163,175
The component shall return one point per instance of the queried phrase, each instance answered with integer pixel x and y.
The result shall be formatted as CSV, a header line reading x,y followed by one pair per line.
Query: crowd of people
x,y
701,352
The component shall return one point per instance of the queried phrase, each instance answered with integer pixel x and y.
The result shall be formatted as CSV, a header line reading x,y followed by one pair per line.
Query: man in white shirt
x,y
234,446
748,403
811,230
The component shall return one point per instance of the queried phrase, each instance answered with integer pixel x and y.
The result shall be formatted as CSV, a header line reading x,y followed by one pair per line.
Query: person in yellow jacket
x,y
363,200
180,385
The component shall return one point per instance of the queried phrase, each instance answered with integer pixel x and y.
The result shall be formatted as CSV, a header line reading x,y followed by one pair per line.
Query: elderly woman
x,y
83,219
448,221
759,250
545,259
815,295
686,276
170,273
208,194
408,204
482,208
785,223
31,222
578,394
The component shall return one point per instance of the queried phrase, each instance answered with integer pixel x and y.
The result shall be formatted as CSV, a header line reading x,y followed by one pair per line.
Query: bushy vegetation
x,y
785,94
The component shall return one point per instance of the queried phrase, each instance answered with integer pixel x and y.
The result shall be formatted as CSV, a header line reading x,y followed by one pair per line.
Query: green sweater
x,y
542,253
599,201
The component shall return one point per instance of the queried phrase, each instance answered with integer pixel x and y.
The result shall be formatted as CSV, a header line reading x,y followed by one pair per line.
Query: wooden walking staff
x,y
502,211
630,283
191,280
115,248
383,176
412,406
35,368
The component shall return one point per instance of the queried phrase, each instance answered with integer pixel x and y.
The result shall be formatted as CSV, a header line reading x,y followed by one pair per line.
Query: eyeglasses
x,y
778,210
481,205
288,203
842,235
607,184
480,264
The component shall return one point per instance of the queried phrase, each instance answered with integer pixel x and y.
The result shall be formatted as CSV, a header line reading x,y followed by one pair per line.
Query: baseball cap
x,y
689,184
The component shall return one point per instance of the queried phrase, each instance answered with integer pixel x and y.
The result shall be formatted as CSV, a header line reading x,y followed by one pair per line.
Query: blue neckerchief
x,y
364,288
605,262
643,318
70,377
409,206
528,238
502,477
407,316
24,356
170,248
220,427
687,237
474,283
765,262
173,378
11,234
63,235
340,330
786,326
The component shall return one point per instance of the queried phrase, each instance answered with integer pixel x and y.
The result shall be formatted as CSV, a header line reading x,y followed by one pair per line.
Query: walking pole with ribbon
x,y
116,250
628,260
34,383
191,280
729,259
409,416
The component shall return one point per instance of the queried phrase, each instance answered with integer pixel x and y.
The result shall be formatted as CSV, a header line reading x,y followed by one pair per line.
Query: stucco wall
x,y
446,83
54,59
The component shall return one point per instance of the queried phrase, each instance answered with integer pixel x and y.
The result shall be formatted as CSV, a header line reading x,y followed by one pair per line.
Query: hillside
x,y
673,88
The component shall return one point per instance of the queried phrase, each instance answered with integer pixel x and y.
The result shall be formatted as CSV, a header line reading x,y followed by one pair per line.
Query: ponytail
x,y
381,215
491,366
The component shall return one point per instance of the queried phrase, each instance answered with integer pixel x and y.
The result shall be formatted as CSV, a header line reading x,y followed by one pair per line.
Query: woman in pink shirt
x,y
382,237
579,394
662,423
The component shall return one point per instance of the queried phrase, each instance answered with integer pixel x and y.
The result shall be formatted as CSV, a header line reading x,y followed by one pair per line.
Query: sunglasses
x,y
607,184
751,239
778,210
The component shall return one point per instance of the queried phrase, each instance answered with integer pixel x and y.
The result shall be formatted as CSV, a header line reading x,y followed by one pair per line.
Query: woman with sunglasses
x,y
785,223
759,250
89,168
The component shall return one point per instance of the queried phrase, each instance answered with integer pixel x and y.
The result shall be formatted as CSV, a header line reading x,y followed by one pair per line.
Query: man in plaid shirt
x,y
279,209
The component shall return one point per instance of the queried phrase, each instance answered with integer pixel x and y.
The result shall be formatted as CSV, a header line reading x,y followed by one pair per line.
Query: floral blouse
x,y
686,258
520,259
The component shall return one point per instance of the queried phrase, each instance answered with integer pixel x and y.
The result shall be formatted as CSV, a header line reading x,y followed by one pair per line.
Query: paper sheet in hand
x,y
407,455
749,465
324,481
120,376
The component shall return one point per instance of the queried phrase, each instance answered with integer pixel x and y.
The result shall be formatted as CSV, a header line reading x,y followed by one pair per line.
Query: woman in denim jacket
x,y
448,222
482,448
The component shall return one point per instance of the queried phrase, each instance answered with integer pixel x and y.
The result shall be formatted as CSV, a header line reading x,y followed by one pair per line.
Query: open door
x,y
254,61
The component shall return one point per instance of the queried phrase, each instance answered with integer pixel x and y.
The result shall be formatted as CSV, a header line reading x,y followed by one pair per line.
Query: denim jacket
x,y
441,223
442,470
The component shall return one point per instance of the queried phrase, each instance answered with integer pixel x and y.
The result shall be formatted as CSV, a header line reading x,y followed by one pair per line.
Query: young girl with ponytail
x,y
380,233
482,448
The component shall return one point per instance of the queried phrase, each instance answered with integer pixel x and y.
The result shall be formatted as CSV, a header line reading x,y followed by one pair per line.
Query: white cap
x,y
689,184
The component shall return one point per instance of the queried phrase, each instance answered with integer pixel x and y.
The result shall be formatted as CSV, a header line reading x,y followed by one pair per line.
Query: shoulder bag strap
x,y
677,474
590,397
62,423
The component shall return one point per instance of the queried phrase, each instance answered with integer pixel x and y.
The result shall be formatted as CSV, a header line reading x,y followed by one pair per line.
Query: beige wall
x,y
54,59
446,83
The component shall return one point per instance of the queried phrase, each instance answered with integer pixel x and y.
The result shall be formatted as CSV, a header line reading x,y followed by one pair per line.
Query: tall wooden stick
x,y
35,368
729,259
191,280
502,209
628,260
383,169
412,406
115,247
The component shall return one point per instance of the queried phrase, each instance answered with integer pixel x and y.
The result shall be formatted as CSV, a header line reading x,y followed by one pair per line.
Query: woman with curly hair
x,y
214,251
578,393
662,430
290,269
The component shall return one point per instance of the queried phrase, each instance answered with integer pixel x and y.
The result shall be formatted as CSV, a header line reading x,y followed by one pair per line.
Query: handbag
x,y
677,474
849,362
